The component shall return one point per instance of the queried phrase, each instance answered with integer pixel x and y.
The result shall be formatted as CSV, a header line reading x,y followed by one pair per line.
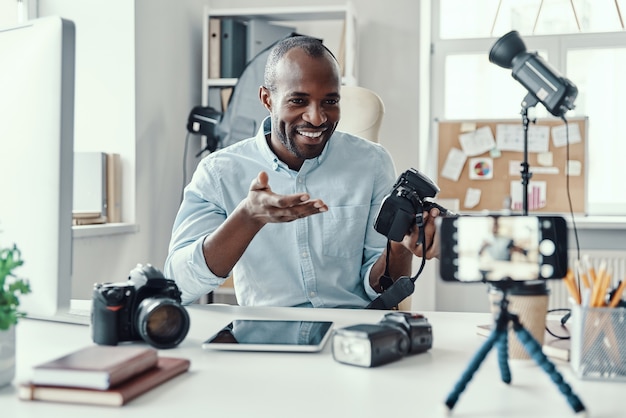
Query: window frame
x,y
556,47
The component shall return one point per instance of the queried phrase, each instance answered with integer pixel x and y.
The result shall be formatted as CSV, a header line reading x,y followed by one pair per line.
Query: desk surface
x,y
241,384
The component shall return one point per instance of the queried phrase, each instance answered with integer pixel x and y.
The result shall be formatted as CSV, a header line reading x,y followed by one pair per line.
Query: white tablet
x,y
271,335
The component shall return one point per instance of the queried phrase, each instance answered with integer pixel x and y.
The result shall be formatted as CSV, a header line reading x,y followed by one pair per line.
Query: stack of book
x,y
101,375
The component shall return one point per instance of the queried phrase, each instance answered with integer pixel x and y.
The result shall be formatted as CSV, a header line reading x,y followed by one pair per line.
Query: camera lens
x,y
163,323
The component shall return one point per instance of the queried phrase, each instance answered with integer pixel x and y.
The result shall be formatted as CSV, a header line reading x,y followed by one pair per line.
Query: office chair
x,y
362,112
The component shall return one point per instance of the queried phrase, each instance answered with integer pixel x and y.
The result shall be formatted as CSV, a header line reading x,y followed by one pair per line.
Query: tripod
x,y
499,336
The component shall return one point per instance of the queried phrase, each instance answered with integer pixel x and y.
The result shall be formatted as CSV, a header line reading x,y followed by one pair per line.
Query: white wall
x,y
155,86
104,110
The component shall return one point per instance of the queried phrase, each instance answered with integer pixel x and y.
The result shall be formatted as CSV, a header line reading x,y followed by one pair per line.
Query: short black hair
x,y
312,46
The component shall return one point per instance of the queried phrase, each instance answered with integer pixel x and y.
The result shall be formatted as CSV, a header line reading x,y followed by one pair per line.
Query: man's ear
x,y
265,97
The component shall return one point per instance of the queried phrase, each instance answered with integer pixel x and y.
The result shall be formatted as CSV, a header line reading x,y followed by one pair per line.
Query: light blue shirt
x,y
322,260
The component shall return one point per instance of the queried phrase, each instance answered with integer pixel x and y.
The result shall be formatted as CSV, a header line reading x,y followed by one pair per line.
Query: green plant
x,y
11,287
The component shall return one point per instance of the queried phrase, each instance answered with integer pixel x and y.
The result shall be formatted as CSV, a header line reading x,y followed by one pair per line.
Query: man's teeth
x,y
311,134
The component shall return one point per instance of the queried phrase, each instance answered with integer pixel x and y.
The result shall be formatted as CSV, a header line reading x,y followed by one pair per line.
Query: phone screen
x,y
493,248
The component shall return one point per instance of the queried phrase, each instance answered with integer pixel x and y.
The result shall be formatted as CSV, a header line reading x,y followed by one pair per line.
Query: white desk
x,y
240,384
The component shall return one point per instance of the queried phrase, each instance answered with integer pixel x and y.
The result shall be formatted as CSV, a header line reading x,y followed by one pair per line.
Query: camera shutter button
x,y
114,295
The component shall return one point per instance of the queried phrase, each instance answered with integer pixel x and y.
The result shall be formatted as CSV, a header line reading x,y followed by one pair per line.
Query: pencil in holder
x,y
598,349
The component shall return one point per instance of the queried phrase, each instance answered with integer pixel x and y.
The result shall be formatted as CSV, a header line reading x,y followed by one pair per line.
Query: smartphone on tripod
x,y
496,247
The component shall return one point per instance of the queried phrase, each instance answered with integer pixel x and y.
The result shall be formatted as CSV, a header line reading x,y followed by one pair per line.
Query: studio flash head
x,y
543,82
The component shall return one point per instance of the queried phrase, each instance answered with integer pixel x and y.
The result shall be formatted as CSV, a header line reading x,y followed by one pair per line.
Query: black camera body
x,y
371,345
415,326
403,207
147,307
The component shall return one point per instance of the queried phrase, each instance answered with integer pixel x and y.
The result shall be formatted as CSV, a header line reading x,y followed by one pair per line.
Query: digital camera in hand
x,y
146,307
371,345
403,207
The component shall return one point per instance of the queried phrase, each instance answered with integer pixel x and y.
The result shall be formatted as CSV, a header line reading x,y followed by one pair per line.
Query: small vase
x,y
7,356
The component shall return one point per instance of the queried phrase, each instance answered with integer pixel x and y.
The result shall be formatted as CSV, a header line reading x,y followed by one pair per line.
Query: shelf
x,y
221,82
231,82
90,231
341,21
284,13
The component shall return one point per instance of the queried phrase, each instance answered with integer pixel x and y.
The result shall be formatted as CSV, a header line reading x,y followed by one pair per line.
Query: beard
x,y
302,151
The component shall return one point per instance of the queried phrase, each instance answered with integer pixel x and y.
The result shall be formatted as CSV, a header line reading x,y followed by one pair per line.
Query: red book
x,y
166,369
96,366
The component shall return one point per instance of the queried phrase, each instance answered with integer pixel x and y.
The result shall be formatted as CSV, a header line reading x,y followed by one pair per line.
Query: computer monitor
x,y
36,158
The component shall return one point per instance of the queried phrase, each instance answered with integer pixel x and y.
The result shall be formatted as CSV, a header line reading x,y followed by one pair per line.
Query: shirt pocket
x,y
344,230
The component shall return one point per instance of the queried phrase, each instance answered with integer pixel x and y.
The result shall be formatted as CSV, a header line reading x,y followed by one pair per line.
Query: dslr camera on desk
x,y
146,307
371,345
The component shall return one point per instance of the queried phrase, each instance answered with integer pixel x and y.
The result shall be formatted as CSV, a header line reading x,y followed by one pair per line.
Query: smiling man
x,y
290,212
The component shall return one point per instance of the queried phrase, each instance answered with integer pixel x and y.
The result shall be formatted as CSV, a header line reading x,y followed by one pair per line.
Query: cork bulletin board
x,y
479,164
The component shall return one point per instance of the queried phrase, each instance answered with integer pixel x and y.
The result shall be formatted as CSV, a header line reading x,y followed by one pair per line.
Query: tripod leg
x,y
472,367
503,356
534,350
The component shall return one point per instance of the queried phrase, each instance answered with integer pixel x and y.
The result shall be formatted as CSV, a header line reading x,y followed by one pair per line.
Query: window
x,y
587,45
464,19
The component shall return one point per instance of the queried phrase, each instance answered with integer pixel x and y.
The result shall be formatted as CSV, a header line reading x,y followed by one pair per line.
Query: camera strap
x,y
386,281
395,292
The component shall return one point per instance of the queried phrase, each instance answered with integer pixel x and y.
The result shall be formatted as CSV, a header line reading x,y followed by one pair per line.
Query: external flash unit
x,y
371,345
543,82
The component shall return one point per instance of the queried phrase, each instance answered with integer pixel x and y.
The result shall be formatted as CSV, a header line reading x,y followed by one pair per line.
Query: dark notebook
x,y
95,366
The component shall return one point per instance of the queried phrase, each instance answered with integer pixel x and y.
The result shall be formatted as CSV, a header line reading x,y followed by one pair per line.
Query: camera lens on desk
x,y
162,323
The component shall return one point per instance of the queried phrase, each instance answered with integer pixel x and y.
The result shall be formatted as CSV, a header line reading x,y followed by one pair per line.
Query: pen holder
x,y
599,343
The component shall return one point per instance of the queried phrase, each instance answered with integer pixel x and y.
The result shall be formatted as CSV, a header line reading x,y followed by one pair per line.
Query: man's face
x,y
304,106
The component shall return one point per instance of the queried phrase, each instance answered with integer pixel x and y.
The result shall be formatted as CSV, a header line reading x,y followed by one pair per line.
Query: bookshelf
x,y
335,24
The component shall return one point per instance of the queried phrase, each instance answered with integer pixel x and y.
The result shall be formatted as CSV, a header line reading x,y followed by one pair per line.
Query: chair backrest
x,y
362,112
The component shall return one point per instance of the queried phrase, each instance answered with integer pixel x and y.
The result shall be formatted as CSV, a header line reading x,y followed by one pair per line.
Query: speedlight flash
x,y
369,345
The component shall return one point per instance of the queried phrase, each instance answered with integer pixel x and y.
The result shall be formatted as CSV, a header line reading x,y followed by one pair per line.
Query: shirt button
x,y
312,294
304,255
275,166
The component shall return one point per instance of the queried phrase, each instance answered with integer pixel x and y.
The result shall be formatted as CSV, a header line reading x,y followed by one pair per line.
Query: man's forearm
x,y
223,248
400,261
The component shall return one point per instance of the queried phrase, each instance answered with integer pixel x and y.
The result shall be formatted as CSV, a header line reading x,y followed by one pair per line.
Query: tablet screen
x,y
271,335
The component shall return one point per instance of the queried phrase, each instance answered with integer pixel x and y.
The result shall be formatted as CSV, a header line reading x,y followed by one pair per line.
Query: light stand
x,y
499,337
528,102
